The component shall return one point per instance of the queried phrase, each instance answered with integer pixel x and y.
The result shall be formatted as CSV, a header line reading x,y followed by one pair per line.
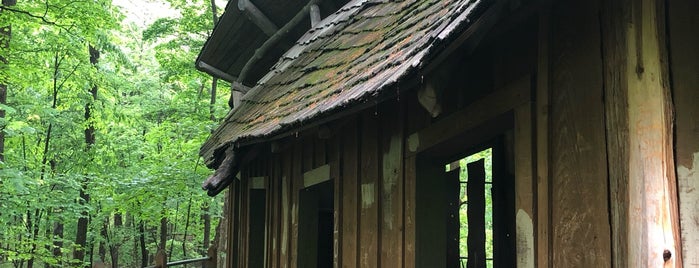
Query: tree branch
x,y
29,14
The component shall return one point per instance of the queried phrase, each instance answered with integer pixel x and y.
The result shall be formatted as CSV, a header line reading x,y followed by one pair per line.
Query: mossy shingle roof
x,y
349,58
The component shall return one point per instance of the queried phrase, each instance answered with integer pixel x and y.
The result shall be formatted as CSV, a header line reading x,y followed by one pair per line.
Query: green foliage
x,y
487,155
150,117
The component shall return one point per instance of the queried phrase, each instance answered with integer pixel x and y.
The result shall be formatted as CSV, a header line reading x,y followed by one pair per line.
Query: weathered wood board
x,y
542,106
410,204
369,190
392,187
350,195
524,185
580,218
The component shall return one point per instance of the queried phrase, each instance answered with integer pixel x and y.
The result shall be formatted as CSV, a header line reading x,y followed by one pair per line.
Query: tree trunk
x,y
3,101
142,239
131,225
186,228
174,230
207,227
214,81
206,217
163,235
212,102
114,245
81,237
44,159
163,232
58,241
5,35
102,250
34,225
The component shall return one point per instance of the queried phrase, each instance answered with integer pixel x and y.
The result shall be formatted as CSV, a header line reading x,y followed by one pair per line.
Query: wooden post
x,y
160,259
542,107
476,214
639,135
524,186
212,254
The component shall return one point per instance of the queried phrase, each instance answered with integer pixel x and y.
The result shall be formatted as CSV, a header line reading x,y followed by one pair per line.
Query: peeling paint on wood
x,y
524,183
688,178
367,195
413,142
391,165
525,240
257,183
316,176
391,228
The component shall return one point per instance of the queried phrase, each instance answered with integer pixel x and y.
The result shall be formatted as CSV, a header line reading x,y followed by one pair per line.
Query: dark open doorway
x,y
316,220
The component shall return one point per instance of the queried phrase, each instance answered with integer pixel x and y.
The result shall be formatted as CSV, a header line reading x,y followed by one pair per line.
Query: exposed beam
x,y
216,72
238,86
479,112
257,17
470,38
274,39
316,176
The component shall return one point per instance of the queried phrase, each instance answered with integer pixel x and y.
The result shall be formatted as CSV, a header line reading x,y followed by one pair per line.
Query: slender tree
x,y
186,227
206,211
82,226
5,36
115,241
142,240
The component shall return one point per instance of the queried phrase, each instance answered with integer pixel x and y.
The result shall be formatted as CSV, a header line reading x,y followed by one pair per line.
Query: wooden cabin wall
x,y
684,66
364,154
565,187
581,235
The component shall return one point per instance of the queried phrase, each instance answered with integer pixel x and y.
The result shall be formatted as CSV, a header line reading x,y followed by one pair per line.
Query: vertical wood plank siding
x,y
580,213
392,187
369,189
350,193
571,180
365,155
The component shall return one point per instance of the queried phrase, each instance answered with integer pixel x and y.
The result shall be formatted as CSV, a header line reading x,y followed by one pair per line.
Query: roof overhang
x,y
277,105
251,35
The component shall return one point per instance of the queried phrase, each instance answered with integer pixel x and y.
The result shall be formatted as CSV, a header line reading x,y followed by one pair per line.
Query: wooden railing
x,y
207,261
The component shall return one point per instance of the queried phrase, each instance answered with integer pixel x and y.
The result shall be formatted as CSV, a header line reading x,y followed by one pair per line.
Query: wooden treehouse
x,y
350,117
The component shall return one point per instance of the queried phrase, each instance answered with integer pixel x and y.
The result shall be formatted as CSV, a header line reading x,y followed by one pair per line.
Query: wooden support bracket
x,y
257,17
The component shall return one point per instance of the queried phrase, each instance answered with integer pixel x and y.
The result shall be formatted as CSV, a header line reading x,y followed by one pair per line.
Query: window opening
x,y
475,180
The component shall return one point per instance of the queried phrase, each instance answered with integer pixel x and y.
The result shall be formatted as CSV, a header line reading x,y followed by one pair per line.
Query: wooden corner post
x,y
638,108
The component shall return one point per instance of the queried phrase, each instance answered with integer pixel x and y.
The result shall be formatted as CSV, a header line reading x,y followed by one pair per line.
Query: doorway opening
x,y
470,226
465,207
316,221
